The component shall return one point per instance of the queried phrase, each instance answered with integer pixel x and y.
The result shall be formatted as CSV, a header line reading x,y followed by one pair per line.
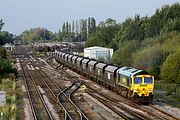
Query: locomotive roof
x,y
111,68
100,65
129,71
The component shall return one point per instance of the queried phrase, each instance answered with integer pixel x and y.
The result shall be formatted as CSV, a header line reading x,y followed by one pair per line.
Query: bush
x,y
2,53
149,59
170,70
171,44
123,56
6,68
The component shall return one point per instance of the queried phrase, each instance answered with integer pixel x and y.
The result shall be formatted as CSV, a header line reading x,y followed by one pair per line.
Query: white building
x,y
98,53
8,47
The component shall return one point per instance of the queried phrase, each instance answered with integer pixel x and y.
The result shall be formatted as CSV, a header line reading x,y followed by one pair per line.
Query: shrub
x,y
2,53
170,70
6,68
123,56
171,44
149,59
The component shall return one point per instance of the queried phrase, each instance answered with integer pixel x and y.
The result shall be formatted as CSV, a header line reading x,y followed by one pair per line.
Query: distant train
x,y
129,82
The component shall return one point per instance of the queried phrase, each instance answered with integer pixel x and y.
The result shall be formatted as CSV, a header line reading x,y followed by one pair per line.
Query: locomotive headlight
x,y
135,90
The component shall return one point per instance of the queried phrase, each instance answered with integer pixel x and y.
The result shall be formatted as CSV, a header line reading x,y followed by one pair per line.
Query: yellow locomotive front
x,y
143,87
135,84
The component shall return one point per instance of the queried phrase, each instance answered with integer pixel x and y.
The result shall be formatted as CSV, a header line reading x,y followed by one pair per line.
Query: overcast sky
x,y
20,15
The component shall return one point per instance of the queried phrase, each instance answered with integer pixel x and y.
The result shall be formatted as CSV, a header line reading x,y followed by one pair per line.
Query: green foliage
x,y
142,42
6,68
5,37
123,56
2,53
36,34
104,35
78,31
8,111
149,59
1,24
170,68
134,30
91,26
171,43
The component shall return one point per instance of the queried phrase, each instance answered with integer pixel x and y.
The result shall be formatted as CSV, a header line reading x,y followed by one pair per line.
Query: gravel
x,y
27,110
169,109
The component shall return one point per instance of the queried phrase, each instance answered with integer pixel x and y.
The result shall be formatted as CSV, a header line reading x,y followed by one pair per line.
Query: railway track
x,y
72,110
167,116
122,111
108,103
37,103
150,114
64,96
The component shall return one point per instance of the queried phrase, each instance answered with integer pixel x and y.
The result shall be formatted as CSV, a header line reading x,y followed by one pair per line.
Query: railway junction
x,y
54,92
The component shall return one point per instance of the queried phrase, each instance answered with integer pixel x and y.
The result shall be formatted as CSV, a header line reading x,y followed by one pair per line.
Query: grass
x,y
8,111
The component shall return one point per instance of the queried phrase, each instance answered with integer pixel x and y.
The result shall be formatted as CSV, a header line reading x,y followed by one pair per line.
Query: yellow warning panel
x,y
83,87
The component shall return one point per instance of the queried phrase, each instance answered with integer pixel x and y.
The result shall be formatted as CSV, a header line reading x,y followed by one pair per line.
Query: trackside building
x,y
98,53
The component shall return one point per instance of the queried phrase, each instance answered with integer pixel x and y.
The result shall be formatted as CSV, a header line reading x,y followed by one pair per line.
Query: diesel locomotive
x,y
135,84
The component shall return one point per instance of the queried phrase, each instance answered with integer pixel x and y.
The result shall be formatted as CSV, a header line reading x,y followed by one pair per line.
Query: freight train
x,y
135,84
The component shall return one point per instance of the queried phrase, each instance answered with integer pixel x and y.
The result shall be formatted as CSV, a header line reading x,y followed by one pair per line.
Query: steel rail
x,y
69,96
41,98
28,92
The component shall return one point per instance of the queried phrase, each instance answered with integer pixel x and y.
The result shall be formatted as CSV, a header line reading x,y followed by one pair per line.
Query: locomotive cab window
x,y
137,80
148,80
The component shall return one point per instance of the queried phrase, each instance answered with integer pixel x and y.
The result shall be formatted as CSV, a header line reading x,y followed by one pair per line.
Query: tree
x,y
77,27
123,56
83,29
103,35
67,28
36,34
150,59
170,68
110,22
2,53
89,27
93,24
135,29
5,37
1,24
73,27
